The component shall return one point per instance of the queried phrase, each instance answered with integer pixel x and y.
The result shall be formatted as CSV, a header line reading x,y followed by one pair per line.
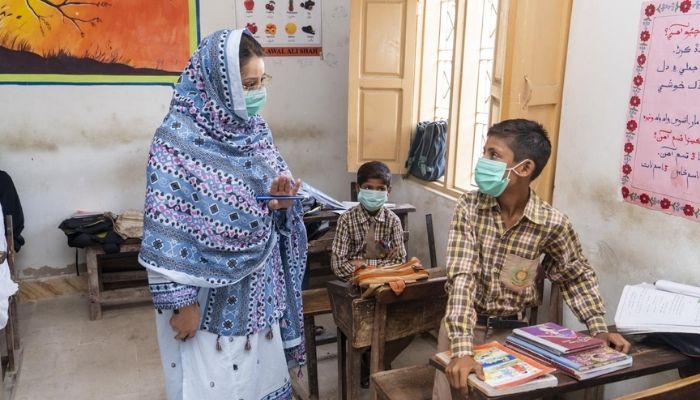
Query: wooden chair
x,y
316,302
11,360
682,389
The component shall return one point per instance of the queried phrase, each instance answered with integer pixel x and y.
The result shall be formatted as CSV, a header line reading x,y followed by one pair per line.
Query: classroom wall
x,y
69,147
626,244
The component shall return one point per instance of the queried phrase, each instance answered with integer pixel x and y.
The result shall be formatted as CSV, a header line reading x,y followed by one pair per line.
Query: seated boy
x,y
497,237
369,233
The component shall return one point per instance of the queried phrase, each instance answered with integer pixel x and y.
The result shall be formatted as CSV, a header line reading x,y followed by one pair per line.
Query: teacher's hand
x,y
185,322
283,185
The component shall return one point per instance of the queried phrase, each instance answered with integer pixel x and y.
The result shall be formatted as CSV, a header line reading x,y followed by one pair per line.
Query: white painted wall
x,y
69,147
625,243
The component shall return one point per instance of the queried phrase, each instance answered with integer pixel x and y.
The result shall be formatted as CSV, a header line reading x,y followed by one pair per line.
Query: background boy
x,y
368,233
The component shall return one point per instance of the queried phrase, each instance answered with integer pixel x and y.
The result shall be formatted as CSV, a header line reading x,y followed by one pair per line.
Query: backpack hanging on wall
x,y
426,158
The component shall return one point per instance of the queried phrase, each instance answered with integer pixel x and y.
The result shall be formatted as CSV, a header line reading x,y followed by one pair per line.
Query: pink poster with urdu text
x,y
661,163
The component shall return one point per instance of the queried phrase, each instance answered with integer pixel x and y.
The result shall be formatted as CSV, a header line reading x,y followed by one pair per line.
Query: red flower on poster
x,y
645,36
625,192
641,59
644,198
631,125
635,101
626,169
685,6
638,80
688,210
629,147
649,11
665,203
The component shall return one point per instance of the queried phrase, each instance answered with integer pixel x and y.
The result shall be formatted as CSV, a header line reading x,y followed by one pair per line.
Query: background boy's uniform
x,y
493,271
360,236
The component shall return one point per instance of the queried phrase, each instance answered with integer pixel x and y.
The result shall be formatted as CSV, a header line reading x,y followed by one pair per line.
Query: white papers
x,y
544,381
643,308
679,288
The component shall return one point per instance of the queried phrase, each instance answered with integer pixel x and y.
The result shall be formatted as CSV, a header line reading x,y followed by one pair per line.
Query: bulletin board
x,y
661,154
283,27
96,41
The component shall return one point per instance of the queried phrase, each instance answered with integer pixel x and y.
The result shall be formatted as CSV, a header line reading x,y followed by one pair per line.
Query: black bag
x,y
84,231
686,343
426,158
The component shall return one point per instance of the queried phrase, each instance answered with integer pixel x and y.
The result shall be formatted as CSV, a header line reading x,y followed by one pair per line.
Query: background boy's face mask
x,y
491,177
372,200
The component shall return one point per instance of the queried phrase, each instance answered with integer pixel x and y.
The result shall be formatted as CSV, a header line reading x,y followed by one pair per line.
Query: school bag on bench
x,y
370,278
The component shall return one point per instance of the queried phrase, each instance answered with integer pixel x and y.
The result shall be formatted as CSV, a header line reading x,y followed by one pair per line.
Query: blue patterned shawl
x,y
207,162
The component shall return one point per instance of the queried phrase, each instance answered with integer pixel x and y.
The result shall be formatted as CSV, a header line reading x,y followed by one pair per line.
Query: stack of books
x,y
576,354
506,371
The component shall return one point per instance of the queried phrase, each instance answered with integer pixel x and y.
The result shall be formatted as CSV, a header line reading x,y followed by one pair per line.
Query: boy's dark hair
x,y
248,49
373,170
527,139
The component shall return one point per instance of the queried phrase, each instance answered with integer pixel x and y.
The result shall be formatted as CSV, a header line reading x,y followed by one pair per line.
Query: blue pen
x,y
268,197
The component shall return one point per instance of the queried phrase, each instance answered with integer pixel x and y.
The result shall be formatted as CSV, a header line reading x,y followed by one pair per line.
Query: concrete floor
x,y
66,356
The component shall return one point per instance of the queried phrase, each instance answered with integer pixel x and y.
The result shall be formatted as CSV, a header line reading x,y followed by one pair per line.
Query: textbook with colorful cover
x,y
557,339
506,371
582,365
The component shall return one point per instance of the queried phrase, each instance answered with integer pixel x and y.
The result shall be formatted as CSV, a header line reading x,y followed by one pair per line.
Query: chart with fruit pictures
x,y
283,27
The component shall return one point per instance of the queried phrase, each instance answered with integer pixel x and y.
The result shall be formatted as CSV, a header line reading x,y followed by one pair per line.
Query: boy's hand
x,y
185,322
458,371
283,185
615,340
358,263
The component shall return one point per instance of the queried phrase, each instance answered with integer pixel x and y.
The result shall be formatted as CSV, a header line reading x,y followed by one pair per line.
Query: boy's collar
x,y
532,208
380,216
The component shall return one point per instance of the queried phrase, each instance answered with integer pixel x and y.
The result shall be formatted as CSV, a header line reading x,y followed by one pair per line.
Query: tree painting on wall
x,y
96,41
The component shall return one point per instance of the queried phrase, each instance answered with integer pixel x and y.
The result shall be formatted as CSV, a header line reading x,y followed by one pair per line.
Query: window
x,y
470,106
471,62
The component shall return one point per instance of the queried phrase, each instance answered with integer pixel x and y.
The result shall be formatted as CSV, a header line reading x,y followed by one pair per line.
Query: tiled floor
x,y
66,356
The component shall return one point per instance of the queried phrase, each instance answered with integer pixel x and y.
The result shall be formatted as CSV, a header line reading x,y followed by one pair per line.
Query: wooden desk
x,y
648,360
355,318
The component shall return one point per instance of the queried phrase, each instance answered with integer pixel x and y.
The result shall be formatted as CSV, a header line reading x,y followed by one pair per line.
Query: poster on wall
x,y
283,27
96,41
661,154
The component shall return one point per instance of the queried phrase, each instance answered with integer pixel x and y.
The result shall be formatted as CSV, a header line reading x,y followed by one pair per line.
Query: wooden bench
x,y
115,279
411,383
682,389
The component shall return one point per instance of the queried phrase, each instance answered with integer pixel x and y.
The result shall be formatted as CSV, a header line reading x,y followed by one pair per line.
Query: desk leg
x,y
311,361
594,393
378,344
354,368
342,365
93,284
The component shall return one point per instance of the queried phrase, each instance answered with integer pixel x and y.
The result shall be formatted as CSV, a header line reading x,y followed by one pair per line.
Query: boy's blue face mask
x,y
489,176
254,100
372,200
